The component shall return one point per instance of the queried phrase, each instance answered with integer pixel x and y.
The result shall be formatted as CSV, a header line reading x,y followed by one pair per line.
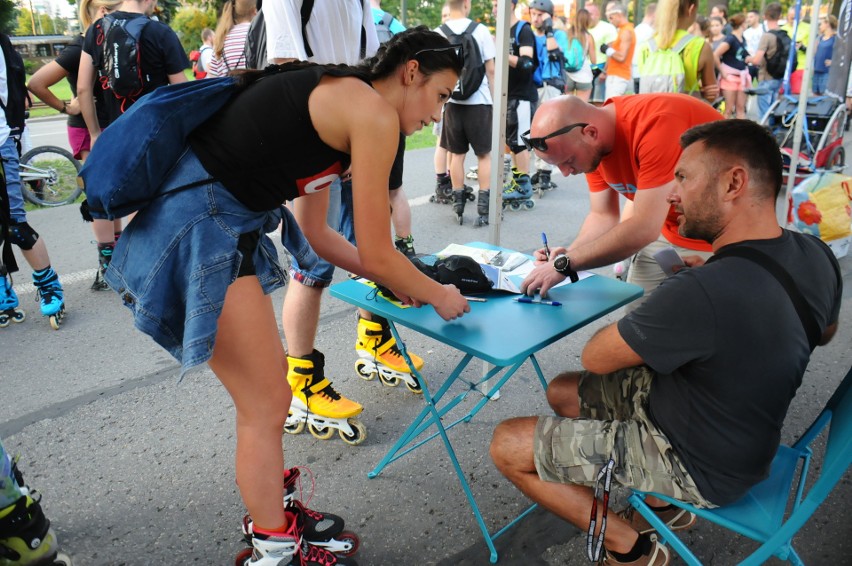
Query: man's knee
x,y
512,444
563,394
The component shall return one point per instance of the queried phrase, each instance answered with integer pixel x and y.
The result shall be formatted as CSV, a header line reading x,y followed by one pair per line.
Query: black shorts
x,y
246,245
395,178
518,119
467,126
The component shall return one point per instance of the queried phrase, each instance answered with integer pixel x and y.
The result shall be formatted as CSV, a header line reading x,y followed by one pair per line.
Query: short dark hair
x,y
772,11
743,140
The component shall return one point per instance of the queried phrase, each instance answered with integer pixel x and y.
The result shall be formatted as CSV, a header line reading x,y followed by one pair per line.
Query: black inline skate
x,y
104,257
322,534
541,182
460,198
443,190
482,205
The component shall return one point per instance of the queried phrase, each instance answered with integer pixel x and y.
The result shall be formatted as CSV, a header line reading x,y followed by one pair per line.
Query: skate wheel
x,y
390,381
19,316
243,557
432,198
297,427
55,321
62,559
416,388
359,435
351,540
320,433
364,372
460,219
515,205
4,320
529,204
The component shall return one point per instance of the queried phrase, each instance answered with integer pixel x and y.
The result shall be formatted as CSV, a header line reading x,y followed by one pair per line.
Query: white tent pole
x,y
782,205
498,120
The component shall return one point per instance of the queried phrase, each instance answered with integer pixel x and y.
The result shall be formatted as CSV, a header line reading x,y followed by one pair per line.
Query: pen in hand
x,y
546,248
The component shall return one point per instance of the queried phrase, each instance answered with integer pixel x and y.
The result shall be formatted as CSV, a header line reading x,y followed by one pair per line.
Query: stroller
x,y
822,134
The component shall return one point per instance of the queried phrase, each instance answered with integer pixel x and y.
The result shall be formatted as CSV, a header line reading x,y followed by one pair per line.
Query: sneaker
x,y
676,519
405,245
658,556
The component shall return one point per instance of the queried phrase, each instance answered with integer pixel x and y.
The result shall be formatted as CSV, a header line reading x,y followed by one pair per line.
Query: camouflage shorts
x,y
613,424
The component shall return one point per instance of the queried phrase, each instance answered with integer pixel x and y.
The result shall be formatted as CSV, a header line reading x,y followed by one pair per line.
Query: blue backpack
x,y
575,56
537,73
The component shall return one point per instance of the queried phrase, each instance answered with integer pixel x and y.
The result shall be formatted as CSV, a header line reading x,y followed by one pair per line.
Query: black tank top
x,y
263,147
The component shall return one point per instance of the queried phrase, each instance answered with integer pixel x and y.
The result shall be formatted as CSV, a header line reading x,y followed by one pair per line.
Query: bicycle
x,y
49,176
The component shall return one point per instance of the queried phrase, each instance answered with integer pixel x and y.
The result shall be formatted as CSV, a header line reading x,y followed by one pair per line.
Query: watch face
x,y
560,263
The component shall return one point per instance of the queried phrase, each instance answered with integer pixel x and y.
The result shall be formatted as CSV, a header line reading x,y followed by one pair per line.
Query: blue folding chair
x,y
760,514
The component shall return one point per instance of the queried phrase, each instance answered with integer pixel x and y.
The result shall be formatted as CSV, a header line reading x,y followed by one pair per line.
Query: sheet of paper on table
x,y
505,269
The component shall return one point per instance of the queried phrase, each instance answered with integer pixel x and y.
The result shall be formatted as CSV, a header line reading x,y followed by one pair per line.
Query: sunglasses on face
x,y
539,144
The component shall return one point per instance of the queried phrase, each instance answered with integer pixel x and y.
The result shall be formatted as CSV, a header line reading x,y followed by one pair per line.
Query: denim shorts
x,y
177,257
308,268
12,167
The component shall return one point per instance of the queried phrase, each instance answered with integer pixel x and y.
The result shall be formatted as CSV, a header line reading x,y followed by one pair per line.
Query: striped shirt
x,y
233,52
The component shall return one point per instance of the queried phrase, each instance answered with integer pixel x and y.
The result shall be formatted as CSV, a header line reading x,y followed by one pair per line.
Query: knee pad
x,y
22,235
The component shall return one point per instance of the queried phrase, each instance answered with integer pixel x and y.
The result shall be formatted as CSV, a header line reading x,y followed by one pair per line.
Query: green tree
x,y
188,23
8,16
25,22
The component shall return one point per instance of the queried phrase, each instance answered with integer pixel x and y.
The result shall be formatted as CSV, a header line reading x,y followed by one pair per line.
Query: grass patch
x,y
421,139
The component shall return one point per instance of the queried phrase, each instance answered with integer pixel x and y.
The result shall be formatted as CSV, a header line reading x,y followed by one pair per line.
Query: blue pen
x,y
544,241
525,299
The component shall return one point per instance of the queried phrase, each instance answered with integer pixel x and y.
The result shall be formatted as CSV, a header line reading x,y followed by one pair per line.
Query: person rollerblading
x,y
405,245
317,405
9,310
443,190
379,355
104,257
50,294
26,537
517,193
541,182
324,530
482,205
289,548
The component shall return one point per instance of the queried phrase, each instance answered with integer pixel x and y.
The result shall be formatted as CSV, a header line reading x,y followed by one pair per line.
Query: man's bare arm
x,y
607,352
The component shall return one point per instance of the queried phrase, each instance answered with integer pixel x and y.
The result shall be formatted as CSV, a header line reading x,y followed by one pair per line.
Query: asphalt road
x,y
138,469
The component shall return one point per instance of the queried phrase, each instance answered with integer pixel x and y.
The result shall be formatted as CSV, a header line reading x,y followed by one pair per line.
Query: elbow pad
x,y
554,54
525,63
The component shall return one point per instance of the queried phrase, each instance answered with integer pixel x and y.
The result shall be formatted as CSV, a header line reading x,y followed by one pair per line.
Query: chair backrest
x,y
837,415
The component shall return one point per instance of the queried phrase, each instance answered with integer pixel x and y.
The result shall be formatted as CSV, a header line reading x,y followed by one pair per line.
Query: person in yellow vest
x,y
619,74
673,19
802,37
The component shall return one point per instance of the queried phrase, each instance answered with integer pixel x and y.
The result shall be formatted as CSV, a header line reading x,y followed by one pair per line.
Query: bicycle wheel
x,y
49,176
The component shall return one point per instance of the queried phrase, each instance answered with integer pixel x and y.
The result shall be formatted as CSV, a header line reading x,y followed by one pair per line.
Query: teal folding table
x,y
503,333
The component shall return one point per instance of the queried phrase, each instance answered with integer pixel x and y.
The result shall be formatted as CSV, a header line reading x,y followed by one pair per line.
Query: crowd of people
x,y
348,82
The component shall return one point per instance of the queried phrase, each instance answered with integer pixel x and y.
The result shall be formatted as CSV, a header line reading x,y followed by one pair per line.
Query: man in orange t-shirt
x,y
630,147
619,63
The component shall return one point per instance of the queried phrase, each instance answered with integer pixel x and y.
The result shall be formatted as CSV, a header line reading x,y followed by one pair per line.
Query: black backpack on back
x,y
777,64
18,99
473,71
255,48
122,56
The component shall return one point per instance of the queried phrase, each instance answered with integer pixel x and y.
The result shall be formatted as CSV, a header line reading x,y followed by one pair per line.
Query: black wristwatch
x,y
562,264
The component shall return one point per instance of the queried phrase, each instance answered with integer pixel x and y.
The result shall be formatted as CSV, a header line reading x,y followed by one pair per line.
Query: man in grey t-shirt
x,y
687,394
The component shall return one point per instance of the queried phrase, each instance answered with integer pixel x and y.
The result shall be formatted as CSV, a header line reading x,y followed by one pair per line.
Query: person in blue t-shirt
x,y
822,58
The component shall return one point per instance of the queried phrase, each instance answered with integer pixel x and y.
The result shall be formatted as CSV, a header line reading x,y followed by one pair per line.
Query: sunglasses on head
x,y
539,144
459,50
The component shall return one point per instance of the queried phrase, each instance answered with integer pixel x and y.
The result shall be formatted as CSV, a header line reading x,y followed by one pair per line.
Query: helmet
x,y
542,6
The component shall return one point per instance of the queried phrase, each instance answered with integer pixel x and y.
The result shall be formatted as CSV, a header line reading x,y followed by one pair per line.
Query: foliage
x,y
188,23
8,19
166,10
45,25
428,12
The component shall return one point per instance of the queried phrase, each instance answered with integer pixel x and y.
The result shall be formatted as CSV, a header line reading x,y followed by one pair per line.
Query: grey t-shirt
x,y
730,352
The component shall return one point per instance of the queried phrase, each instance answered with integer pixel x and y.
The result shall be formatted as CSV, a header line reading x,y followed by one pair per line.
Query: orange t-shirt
x,y
623,69
647,148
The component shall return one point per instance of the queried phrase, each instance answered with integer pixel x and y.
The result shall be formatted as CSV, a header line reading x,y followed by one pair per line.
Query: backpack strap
x,y
448,33
681,45
469,31
783,277
305,13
